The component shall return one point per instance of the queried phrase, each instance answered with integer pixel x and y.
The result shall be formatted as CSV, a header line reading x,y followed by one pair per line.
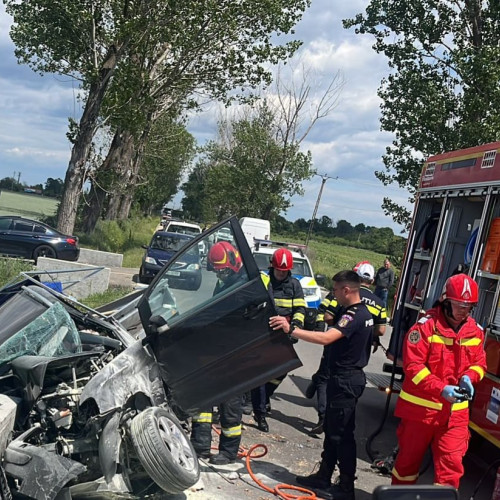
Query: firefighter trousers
x,y
261,395
230,437
448,445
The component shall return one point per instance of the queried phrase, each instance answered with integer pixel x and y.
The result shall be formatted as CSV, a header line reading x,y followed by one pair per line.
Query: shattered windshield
x,y
51,334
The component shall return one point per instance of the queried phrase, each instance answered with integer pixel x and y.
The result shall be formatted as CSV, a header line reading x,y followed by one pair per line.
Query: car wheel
x,y
164,450
142,278
44,251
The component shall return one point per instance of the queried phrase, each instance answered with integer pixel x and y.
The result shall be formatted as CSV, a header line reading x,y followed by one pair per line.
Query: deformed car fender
x,y
132,372
109,447
42,473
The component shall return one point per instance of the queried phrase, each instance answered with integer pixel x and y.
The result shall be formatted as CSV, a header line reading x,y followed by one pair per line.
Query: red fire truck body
x,y
456,227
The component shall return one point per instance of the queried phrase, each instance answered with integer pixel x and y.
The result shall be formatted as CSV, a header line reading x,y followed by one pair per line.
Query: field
x,y
32,206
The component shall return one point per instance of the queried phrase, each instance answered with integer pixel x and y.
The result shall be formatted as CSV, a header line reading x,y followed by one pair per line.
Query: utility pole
x,y
324,178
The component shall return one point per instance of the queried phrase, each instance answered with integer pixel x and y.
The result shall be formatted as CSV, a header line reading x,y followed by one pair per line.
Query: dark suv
x,y
30,239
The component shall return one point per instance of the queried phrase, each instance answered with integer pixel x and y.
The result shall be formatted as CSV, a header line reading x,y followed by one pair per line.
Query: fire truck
x,y
456,228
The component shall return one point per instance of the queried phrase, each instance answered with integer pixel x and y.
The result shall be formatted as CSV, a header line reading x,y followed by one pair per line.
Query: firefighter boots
x,y
221,459
343,489
261,422
320,480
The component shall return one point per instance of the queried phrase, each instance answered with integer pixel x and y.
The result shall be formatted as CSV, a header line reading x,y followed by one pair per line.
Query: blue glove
x,y
466,384
451,394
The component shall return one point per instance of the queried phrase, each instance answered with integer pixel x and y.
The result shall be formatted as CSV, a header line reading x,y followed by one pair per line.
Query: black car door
x,y
214,343
6,246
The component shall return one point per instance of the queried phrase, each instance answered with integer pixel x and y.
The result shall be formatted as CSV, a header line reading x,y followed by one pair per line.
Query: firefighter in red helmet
x,y
443,357
289,302
225,260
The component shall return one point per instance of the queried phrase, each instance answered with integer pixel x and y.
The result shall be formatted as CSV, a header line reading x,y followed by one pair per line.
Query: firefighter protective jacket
x,y
435,356
288,297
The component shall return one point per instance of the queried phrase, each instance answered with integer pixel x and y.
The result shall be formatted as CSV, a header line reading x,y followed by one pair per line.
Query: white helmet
x,y
365,271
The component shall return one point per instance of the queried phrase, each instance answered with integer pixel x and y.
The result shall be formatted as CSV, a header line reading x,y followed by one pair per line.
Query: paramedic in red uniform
x,y
443,357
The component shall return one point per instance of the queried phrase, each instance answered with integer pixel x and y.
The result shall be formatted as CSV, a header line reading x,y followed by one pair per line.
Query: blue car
x,y
186,274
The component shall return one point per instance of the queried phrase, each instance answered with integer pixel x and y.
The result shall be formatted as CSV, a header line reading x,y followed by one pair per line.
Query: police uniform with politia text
x,y
346,359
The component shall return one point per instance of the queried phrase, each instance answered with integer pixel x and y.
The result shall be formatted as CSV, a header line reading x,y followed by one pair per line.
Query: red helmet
x,y
223,255
461,288
282,259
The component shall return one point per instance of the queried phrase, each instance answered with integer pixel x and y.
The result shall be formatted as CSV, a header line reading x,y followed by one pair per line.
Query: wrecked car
x,y
94,401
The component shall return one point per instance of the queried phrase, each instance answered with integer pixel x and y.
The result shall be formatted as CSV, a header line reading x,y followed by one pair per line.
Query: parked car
x,y
30,239
163,245
89,407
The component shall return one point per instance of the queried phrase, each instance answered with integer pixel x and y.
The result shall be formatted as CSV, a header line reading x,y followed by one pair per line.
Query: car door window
x,y
5,224
221,326
175,294
23,226
39,229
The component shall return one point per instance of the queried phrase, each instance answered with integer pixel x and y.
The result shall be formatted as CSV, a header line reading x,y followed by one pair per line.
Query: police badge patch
x,y
414,337
344,320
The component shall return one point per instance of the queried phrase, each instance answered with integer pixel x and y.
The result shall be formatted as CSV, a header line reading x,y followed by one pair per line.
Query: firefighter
x,y
349,341
443,357
226,261
288,297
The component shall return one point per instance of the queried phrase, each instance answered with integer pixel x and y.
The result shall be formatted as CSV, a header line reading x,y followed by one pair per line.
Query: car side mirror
x,y
320,279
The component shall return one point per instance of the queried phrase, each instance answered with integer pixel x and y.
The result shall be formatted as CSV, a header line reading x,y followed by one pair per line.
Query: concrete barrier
x,y
78,280
98,258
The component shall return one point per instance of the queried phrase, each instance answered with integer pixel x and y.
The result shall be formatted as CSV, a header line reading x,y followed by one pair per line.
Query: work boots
x,y
343,489
320,480
261,422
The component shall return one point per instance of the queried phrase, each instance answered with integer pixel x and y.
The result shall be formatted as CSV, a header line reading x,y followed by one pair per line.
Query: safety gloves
x,y
451,393
466,385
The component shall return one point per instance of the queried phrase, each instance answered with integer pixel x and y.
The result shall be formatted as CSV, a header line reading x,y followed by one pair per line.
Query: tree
x,y
257,153
215,46
53,187
168,154
443,90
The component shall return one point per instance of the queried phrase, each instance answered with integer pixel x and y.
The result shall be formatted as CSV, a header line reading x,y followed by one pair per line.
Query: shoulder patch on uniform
x,y
423,320
414,337
344,320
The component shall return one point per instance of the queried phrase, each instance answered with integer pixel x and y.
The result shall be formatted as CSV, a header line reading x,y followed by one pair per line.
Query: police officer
x,y
327,312
226,261
349,352
443,355
288,297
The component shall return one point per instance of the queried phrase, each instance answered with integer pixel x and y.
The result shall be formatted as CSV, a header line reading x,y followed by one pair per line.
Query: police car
x,y
302,270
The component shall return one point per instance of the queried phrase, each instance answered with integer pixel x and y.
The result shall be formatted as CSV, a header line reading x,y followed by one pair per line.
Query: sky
x,y
346,146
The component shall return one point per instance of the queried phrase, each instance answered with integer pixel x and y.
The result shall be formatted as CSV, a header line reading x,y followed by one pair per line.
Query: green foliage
x,y
120,236
10,268
99,299
251,170
169,151
443,89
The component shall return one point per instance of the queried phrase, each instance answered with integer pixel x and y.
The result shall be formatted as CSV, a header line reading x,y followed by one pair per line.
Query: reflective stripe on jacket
x,y
435,356
288,297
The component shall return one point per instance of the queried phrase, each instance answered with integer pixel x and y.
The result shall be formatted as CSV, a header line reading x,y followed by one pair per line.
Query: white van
x,y
259,229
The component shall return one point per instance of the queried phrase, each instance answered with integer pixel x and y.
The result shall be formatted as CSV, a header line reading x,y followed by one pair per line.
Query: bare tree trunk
x,y
131,155
93,208
75,175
